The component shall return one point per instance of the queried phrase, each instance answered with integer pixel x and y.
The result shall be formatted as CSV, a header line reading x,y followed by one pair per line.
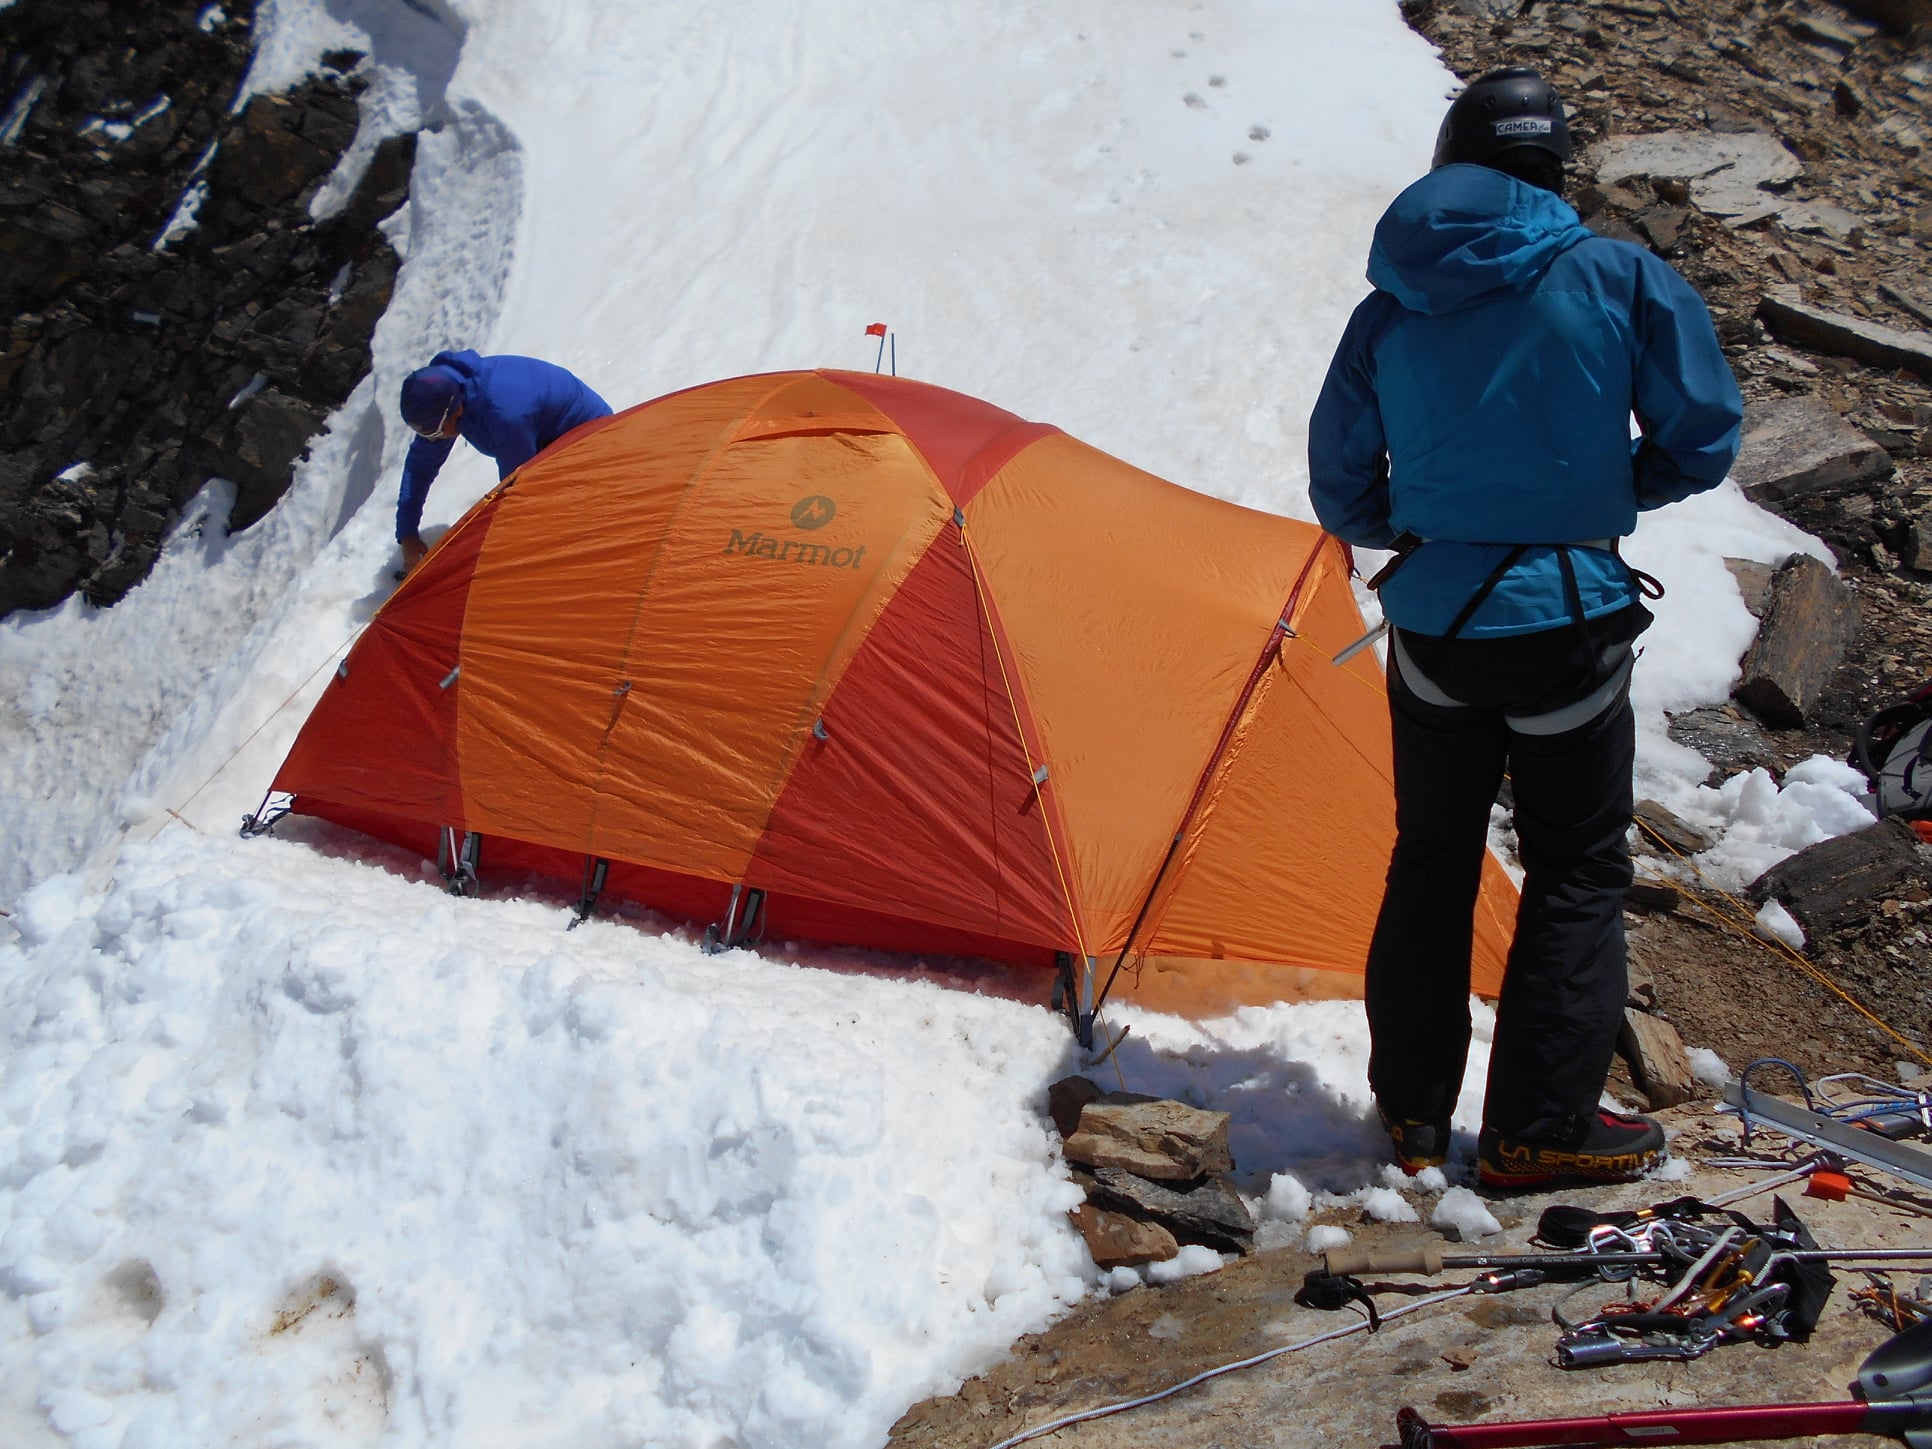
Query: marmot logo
x,y
1524,126
813,512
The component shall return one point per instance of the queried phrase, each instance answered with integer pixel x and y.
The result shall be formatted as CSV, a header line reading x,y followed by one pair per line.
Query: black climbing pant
x,y
1563,995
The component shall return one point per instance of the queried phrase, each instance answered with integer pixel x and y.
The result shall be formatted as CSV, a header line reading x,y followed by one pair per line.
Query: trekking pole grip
x,y
1423,1258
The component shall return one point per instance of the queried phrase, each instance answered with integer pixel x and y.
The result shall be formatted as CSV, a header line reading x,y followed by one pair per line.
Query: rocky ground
x,y
1841,225
1471,1359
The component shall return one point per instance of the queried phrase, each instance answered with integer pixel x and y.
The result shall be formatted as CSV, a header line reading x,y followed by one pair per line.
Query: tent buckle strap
x,y
596,868
743,925
458,853
275,804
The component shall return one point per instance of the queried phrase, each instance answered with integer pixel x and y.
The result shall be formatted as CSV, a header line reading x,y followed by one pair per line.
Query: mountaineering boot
x,y
1615,1147
1417,1144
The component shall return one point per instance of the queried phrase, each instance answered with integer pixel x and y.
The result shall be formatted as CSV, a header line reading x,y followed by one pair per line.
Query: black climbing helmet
x,y
1503,111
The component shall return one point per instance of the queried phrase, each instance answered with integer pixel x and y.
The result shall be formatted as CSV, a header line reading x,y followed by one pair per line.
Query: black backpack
x,y
1894,749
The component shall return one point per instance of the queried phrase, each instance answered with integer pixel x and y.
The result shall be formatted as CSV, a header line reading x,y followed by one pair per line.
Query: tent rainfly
x,y
855,659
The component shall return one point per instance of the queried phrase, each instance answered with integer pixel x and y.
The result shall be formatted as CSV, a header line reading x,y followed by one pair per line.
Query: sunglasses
x,y
442,423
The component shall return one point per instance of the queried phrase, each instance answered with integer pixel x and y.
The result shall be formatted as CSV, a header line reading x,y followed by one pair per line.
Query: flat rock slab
x,y
1658,822
1726,171
1796,446
1844,879
1151,1137
1808,625
1118,1241
1843,336
1914,296
1208,1212
1724,735
1657,1060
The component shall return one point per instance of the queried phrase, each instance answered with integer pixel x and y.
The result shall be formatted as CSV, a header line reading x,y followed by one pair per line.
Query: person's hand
x,y
413,549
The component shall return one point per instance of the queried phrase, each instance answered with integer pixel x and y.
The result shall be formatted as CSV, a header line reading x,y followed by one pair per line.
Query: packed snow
x,y
296,1149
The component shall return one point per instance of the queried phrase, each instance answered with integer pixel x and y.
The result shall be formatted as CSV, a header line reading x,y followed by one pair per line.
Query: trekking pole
x,y
1428,1260
1894,1386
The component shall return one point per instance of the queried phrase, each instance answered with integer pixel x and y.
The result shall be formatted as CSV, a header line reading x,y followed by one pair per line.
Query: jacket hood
x,y
466,364
1464,234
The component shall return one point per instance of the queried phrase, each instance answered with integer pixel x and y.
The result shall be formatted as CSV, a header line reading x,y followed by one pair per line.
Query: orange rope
x,y
1738,922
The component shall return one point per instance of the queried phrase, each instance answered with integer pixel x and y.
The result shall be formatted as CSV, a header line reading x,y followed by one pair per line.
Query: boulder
x,y
1151,1137
1119,1241
1796,446
1208,1212
279,149
1838,881
1753,583
1808,625
255,447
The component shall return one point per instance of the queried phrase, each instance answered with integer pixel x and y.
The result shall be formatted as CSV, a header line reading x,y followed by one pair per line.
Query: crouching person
x,y
508,407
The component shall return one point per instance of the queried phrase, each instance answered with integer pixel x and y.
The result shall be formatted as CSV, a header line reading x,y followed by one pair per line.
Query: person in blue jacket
x,y
1476,419
509,407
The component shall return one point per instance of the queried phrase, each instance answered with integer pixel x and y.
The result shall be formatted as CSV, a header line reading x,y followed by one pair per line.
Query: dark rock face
x,y
131,369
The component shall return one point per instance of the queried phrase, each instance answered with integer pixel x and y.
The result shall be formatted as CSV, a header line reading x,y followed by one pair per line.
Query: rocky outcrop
x,y
1153,1170
174,311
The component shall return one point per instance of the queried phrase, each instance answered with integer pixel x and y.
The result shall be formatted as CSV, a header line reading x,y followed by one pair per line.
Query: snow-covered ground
x,y
294,1149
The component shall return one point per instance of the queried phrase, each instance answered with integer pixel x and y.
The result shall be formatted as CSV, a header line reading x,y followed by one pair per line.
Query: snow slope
x,y
296,1150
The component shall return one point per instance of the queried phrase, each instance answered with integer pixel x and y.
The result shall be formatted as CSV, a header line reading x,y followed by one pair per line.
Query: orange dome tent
x,y
852,658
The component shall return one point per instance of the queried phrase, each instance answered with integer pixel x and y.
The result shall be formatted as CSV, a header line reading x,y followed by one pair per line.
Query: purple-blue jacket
x,y
513,408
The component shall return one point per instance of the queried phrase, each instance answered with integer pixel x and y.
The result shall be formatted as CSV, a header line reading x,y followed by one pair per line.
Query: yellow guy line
x,y
1737,922
175,811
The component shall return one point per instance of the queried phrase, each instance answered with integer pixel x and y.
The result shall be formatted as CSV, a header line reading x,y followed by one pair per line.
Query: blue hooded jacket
x,y
1481,397
513,408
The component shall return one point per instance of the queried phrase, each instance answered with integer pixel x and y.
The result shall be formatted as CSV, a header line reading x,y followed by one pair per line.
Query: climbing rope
x,y
1740,919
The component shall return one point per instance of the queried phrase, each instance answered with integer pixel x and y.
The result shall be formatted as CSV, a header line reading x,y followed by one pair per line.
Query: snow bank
x,y
284,1146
